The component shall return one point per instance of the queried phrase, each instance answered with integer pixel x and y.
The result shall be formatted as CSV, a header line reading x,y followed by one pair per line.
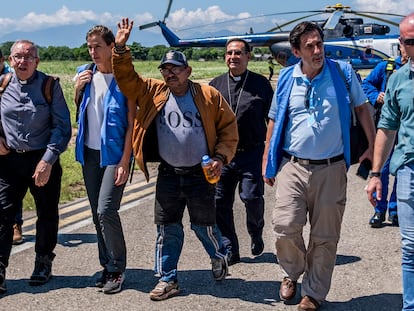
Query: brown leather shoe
x,y
308,304
287,289
17,234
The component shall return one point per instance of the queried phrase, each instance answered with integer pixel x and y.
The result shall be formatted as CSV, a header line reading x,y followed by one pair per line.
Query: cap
x,y
175,58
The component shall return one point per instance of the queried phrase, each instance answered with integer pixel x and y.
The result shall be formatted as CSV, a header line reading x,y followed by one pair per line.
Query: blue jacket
x,y
6,69
282,94
375,82
114,126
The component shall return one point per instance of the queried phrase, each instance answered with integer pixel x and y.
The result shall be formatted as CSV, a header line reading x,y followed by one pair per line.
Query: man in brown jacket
x,y
177,122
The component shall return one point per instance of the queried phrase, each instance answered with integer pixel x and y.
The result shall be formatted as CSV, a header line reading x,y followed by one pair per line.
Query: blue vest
x,y
284,88
114,125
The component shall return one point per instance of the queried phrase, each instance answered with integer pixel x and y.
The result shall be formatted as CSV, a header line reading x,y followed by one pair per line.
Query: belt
x,y
182,170
313,162
26,151
19,150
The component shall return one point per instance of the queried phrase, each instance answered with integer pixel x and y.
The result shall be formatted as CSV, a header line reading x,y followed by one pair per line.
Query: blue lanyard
x,y
309,95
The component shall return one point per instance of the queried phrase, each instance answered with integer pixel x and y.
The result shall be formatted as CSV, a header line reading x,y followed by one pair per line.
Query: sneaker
x,y
164,290
219,268
17,234
3,286
43,270
114,283
101,281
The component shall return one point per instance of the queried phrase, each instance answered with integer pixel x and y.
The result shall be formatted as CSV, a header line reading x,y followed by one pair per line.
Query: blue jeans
x,y
391,204
170,239
174,192
405,195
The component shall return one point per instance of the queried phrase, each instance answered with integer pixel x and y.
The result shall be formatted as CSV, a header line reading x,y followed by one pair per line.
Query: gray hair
x,y
32,48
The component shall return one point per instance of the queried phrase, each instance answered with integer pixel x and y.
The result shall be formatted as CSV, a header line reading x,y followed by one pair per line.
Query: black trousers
x,y
245,173
16,170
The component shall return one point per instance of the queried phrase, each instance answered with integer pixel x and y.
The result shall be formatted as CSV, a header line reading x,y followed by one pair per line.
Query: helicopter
x,y
363,45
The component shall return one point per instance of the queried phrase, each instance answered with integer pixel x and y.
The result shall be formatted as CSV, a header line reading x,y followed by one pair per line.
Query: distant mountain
x,y
74,36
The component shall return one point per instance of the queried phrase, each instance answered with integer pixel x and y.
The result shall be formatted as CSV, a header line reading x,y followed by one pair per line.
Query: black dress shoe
x,y
377,220
394,220
257,246
233,259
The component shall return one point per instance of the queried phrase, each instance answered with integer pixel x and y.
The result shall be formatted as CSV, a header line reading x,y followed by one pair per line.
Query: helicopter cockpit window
x,y
338,53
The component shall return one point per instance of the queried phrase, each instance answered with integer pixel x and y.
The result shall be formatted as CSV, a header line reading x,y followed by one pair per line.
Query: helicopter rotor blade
x,y
153,24
149,25
333,20
251,17
292,21
376,13
379,18
168,10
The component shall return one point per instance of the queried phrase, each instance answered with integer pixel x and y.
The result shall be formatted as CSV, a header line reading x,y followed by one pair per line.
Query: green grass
x,y
72,180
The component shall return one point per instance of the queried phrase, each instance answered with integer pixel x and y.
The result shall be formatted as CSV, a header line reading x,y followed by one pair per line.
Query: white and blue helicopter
x,y
346,38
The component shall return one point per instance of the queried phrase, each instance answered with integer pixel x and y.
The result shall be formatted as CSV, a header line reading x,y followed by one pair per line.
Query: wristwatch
x,y
374,174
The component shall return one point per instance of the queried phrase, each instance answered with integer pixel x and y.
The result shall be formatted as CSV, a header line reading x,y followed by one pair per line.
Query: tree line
x,y
138,52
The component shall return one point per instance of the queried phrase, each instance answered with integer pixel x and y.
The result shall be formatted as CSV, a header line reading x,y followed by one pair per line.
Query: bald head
x,y
407,34
407,25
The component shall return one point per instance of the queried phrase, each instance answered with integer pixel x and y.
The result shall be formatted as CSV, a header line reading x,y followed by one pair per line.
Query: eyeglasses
x,y
235,52
19,58
407,41
174,70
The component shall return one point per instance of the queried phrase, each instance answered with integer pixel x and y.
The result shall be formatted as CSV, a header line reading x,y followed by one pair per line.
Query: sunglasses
x,y
407,41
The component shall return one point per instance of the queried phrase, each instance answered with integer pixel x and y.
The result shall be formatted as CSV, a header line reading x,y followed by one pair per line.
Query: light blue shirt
x,y
320,125
348,93
317,125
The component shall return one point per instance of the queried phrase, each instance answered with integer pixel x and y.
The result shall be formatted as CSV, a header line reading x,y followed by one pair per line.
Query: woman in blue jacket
x,y
104,148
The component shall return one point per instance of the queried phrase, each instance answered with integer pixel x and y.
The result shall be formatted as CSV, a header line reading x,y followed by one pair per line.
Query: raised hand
x,y
124,30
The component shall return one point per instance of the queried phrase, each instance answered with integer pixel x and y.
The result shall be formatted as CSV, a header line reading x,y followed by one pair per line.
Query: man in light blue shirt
x,y
308,148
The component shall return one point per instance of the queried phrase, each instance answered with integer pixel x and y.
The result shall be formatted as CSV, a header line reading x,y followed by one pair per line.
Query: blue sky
x,y
68,20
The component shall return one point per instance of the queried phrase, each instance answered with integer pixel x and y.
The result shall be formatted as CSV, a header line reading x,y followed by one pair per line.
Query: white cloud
x,y
62,17
386,6
183,18
208,19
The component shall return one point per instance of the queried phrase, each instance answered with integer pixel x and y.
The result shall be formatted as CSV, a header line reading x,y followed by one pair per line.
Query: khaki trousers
x,y
319,192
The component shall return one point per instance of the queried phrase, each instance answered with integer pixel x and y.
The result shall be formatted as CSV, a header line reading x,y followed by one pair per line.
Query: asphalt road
x,y
367,275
